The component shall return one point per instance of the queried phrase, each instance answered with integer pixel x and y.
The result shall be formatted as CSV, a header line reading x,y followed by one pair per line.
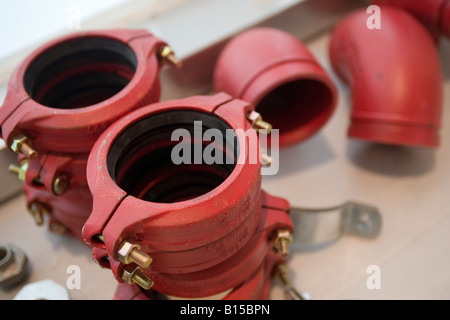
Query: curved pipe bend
x,y
435,14
395,78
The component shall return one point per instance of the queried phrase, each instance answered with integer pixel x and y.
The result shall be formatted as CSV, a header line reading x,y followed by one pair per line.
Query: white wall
x,y
24,22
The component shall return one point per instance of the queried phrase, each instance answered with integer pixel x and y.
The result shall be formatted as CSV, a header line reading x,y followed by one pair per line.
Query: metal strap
x,y
315,227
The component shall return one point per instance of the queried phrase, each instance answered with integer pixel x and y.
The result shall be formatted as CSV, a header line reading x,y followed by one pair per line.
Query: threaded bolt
x,y
28,151
142,279
283,274
140,258
262,125
137,276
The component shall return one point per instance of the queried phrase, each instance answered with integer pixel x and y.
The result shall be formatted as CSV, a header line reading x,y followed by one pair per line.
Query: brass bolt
x,y
14,169
258,123
137,276
38,211
57,228
60,184
21,144
282,241
19,170
283,274
168,55
129,252
266,160
290,291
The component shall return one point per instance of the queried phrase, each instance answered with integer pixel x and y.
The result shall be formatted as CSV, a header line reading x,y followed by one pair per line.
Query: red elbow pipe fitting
x,y
208,227
276,73
435,14
395,78
61,98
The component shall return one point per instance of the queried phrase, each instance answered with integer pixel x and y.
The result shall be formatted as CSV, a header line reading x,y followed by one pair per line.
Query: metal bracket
x,y
315,227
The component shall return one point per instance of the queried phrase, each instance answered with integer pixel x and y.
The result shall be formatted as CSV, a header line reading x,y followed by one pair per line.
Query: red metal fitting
x,y
207,227
395,77
435,14
62,97
277,74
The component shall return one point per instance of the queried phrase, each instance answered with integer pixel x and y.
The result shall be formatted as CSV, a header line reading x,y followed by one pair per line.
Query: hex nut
x,y
282,241
253,116
127,274
125,250
60,184
13,266
17,142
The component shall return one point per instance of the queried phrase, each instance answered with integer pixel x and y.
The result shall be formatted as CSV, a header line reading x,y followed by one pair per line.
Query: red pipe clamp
x,y
60,99
194,229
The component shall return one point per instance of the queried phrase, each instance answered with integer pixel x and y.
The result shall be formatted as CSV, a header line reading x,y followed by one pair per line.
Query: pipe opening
x,y
80,72
298,105
141,160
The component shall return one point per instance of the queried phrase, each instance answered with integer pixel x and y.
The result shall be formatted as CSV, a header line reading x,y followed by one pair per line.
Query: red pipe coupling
x,y
276,72
395,78
435,14
196,228
60,99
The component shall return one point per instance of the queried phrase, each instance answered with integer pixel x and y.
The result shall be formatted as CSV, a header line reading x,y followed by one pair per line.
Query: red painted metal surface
x,y
395,78
63,96
255,287
276,72
201,243
435,14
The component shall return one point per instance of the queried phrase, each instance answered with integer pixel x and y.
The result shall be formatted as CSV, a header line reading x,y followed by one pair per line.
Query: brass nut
x,y
282,241
129,253
20,170
17,142
168,55
57,228
253,116
60,184
124,251
38,210
258,123
21,144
